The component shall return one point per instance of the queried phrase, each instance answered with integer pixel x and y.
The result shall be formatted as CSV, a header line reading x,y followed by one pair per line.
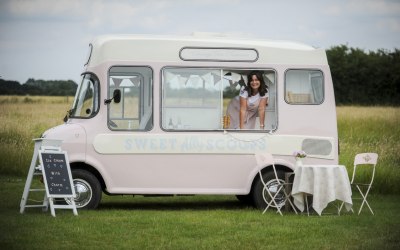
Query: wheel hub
x,y
83,192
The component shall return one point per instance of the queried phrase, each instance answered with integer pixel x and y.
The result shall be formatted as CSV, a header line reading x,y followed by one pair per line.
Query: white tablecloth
x,y
325,182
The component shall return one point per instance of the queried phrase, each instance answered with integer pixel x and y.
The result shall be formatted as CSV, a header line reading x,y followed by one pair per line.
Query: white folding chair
x,y
262,160
360,160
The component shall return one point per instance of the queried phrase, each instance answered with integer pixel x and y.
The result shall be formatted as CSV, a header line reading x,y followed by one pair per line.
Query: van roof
x,y
158,48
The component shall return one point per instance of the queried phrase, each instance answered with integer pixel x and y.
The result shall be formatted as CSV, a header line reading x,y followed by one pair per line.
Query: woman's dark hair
x,y
263,87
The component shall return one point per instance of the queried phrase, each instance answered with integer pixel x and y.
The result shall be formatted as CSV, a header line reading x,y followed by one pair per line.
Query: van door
x,y
134,112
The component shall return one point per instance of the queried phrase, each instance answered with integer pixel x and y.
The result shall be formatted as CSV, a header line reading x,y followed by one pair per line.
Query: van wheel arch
x,y
88,185
92,170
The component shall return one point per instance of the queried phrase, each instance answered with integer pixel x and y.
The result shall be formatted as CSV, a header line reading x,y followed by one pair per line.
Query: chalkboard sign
x,y
57,174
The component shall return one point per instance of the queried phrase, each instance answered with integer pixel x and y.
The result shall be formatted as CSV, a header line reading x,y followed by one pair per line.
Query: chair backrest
x,y
263,160
365,159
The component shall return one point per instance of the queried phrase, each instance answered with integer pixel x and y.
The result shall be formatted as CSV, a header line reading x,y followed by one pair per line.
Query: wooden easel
x,y
48,149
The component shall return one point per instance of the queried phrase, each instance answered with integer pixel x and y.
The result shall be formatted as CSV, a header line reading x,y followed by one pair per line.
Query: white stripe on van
x,y
201,143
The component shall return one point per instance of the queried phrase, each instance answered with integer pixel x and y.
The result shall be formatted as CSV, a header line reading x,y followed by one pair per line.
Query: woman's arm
x,y
242,113
261,111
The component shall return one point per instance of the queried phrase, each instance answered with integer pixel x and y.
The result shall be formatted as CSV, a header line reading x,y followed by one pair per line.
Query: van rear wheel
x,y
272,185
87,189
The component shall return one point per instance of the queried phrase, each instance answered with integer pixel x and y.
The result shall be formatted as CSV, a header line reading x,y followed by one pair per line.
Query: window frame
x,y
151,95
97,90
202,58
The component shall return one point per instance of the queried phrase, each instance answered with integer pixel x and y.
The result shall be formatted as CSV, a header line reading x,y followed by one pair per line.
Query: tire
x,y
258,189
87,189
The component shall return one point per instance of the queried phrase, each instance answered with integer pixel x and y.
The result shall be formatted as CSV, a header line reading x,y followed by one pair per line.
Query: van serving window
x,y
191,99
198,98
219,54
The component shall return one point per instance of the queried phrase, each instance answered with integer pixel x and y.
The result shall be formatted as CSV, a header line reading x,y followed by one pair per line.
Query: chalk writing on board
x,y
57,174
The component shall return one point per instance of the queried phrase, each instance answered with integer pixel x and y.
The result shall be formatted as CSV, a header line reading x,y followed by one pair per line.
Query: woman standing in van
x,y
252,100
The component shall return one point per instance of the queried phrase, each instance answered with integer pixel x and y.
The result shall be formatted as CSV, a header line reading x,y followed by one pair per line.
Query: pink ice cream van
x,y
153,115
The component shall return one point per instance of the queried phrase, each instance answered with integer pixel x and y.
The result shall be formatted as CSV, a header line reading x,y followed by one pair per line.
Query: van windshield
x,y
86,103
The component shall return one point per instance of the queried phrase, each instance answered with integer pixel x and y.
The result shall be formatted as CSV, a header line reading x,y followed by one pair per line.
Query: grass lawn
x,y
187,222
199,222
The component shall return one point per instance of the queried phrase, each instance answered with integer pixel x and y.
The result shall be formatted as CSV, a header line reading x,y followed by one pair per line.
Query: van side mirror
x,y
116,97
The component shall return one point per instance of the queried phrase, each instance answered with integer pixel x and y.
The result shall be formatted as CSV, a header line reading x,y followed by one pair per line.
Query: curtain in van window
x,y
317,87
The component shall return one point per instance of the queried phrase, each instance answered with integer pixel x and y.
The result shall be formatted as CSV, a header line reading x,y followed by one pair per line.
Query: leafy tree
x,y
365,78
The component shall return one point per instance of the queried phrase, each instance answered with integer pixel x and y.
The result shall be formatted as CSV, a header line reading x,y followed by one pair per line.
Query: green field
x,y
200,222
361,129
23,119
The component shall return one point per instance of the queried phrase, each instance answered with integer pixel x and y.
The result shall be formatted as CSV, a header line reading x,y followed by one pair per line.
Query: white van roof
x,y
156,48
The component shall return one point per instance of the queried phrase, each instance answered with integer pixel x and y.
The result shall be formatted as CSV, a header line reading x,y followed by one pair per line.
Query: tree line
x,y
359,78
38,87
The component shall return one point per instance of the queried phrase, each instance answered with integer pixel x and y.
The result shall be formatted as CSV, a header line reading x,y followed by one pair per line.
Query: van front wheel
x,y
87,189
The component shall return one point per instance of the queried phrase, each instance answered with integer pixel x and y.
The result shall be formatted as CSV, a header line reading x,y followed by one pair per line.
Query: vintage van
x,y
148,116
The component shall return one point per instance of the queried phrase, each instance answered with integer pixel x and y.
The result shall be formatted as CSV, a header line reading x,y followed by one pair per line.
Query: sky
x,y
48,39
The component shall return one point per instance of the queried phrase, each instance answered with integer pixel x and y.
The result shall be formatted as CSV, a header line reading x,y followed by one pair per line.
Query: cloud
x,y
45,8
333,10
390,24
374,7
315,34
34,33
116,15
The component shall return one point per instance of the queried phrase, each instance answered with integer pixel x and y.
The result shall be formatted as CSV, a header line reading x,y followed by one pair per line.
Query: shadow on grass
x,y
174,204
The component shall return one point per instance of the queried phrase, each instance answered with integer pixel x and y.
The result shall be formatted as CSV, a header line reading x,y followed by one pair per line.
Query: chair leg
x,y
362,204
305,197
280,186
272,201
287,197
269,203
340,208
278,209
370,209
364,196
291,204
